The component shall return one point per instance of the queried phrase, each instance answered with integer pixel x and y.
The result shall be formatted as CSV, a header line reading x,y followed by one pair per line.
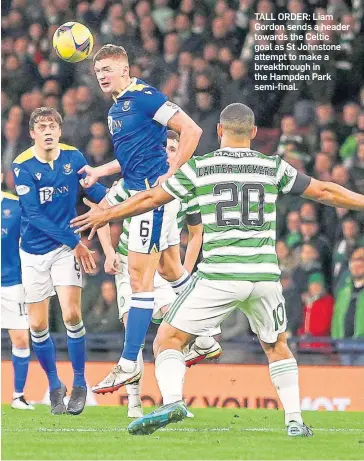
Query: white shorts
x,y
205,304
13,311
42,273
164,294
155,230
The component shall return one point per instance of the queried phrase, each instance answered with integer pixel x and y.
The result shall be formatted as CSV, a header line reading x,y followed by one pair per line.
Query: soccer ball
x,y
73,42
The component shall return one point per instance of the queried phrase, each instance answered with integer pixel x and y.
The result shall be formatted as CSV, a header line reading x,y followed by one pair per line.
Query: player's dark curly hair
x,y
44,113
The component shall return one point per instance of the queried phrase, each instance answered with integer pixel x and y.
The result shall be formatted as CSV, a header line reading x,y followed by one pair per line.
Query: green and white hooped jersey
x,y
189,211
116,195
236,190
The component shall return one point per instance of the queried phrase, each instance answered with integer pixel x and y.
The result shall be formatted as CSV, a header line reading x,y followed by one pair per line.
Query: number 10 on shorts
x,y
278,316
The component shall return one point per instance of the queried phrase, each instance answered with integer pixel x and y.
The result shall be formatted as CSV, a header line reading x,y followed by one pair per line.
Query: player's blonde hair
x,y
44,113
110,51
238,119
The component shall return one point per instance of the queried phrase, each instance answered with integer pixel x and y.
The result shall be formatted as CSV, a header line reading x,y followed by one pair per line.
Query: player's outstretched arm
x,y
194,246
329,193
138,204
92,174
111,259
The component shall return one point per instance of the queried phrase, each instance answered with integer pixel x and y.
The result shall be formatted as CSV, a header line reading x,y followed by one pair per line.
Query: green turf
x,y
100,433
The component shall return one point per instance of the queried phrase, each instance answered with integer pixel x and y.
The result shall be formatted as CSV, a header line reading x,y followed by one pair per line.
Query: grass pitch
x,y
100,433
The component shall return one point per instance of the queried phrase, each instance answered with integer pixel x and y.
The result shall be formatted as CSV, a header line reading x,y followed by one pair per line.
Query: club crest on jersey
x,y
38,176
67,168
126,106
7,213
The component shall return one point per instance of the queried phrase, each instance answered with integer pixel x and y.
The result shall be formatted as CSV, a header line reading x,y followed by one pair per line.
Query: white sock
x,y
284,376
170,371
205,342
127,365
180,284
16,395
133,390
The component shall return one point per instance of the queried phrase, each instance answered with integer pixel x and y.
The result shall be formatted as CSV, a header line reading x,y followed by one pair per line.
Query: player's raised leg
x,y
172,270
45,351
142,268
70,301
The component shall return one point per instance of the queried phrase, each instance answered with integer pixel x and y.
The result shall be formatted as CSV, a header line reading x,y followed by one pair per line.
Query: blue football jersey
x,y
48,194
137,123
10,235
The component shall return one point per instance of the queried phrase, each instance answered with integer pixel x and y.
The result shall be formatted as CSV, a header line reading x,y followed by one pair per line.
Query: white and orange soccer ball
x,y
73,42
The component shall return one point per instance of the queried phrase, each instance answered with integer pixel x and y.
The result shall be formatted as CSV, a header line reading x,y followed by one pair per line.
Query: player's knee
x,y
278,350
171,273
162,271
38,324
21,339
140,283
72,316
168,338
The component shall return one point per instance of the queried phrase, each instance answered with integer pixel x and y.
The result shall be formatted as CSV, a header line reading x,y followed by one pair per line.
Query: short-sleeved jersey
x,y
189,212
48,194
10,235
137,123
237,191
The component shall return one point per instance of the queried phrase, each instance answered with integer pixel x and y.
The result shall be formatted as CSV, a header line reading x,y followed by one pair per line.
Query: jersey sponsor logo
x,y
113,124
38,176
227,153
126,106
22,190
67,168
46,194
16,171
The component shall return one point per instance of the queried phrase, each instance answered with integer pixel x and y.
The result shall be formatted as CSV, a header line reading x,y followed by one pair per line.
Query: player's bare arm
x,y
94,173
136,205
329,193
193,247
190,134
111,259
